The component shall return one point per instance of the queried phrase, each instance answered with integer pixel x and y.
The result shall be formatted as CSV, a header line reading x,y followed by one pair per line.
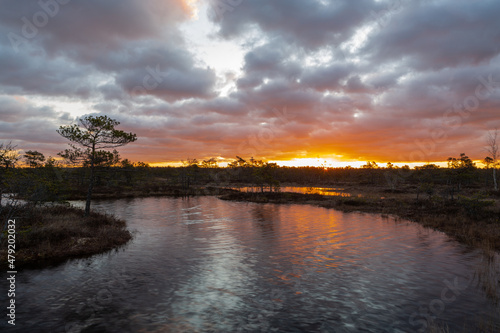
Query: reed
x,y
52,234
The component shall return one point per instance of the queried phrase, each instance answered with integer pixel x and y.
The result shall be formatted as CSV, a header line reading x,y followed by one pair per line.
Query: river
x,y
202,264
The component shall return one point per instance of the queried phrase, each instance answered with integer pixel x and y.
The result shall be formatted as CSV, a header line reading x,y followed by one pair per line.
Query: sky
x,y
336,82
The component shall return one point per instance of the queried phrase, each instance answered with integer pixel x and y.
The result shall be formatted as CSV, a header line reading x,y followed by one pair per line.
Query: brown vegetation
x,y
46,235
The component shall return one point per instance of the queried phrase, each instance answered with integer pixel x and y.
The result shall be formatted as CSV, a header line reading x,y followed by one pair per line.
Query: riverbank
x,y
49,235
147,190
469,218
472,220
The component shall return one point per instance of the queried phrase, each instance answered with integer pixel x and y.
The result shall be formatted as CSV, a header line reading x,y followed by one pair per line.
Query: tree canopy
x,y
8,155
94,134
98,133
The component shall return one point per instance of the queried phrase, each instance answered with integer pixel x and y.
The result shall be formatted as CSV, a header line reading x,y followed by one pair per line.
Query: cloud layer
x,y
387,80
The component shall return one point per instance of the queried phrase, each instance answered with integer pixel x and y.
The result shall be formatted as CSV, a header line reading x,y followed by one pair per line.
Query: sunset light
x,y
250,166
200,77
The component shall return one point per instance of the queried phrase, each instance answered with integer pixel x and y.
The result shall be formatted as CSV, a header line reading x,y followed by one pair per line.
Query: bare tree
x,y
8,155
492,148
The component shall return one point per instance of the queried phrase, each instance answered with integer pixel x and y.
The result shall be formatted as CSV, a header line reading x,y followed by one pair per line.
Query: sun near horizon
x,y
316,162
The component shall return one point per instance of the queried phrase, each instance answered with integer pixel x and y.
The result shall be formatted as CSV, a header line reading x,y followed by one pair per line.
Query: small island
x,y
53,234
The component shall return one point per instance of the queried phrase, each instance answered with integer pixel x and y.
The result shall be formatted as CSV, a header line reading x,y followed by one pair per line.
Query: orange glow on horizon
x,y
318,162
333,163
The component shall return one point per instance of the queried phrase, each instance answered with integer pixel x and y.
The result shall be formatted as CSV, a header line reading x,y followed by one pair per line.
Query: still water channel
x,y
206,265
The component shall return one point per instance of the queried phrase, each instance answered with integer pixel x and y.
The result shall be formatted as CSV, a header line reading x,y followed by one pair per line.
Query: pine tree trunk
x,y
91,184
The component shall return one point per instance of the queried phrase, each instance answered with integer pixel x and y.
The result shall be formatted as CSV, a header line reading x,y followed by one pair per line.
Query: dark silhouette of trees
x,y
8,159
210,163
488,161
261,174
95,134
460,171
34,158
104,159
370,165
39,183
8,155
266,174
189,172
238,162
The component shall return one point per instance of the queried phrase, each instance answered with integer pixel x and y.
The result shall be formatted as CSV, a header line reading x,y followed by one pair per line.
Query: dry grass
x,y
53,234
438,328
488,275
478,326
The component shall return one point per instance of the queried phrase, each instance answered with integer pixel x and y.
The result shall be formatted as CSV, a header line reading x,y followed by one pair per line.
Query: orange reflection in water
x,y
335,191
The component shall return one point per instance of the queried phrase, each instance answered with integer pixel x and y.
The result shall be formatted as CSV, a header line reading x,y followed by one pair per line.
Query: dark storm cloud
x,y
167,82
29,126
326,77
430,35
90,23
272,60
310,24
15,110
85,42
33,73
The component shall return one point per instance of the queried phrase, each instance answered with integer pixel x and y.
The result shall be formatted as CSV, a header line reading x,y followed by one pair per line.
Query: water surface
x,y
206,265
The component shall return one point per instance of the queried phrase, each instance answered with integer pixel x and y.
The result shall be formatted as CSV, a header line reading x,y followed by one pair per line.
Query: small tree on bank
x,y
460,170
94,134
8,159
492,148
8,155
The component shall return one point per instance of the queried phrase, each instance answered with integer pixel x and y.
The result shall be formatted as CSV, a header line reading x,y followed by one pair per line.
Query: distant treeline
x,y
52,182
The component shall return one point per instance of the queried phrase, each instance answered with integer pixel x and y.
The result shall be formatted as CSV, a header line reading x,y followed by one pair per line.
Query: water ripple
x,y
206,265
